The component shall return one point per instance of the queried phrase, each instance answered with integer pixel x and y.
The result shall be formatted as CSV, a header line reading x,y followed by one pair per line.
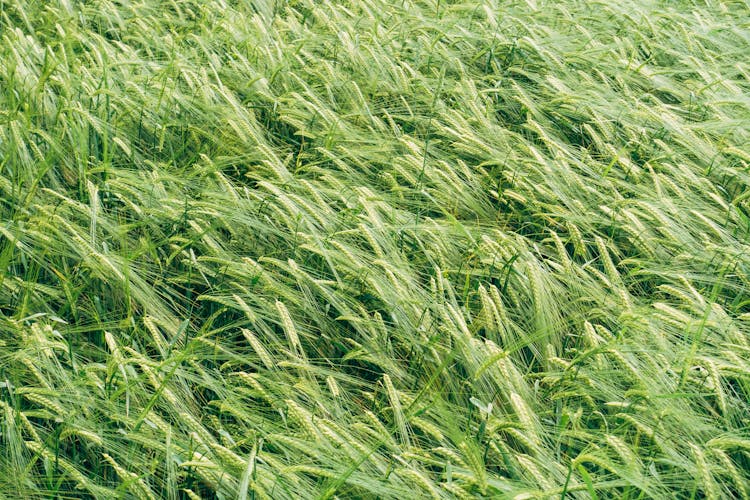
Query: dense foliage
x,y
374,248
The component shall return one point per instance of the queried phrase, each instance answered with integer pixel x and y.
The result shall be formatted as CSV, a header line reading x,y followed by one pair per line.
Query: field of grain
x,y
398,249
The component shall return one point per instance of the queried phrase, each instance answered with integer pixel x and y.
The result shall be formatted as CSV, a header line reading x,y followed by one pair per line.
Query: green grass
x,y
355,249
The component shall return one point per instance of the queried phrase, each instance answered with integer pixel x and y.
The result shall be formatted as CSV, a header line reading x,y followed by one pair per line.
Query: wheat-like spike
x,y
137,483
83,482
304,417
624,362
476,464
456,491
428,427
642,427
191,494
504,322
259,349
524,414
488,309
623,450
731,469
398,414
289,328
705,475
528,464
417,478
525,438
718,386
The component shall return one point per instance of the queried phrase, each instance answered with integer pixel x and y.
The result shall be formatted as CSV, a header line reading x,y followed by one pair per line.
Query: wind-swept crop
x,y
374,249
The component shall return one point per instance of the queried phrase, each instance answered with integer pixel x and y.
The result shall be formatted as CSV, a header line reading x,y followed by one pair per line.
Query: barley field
x,y
258,249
